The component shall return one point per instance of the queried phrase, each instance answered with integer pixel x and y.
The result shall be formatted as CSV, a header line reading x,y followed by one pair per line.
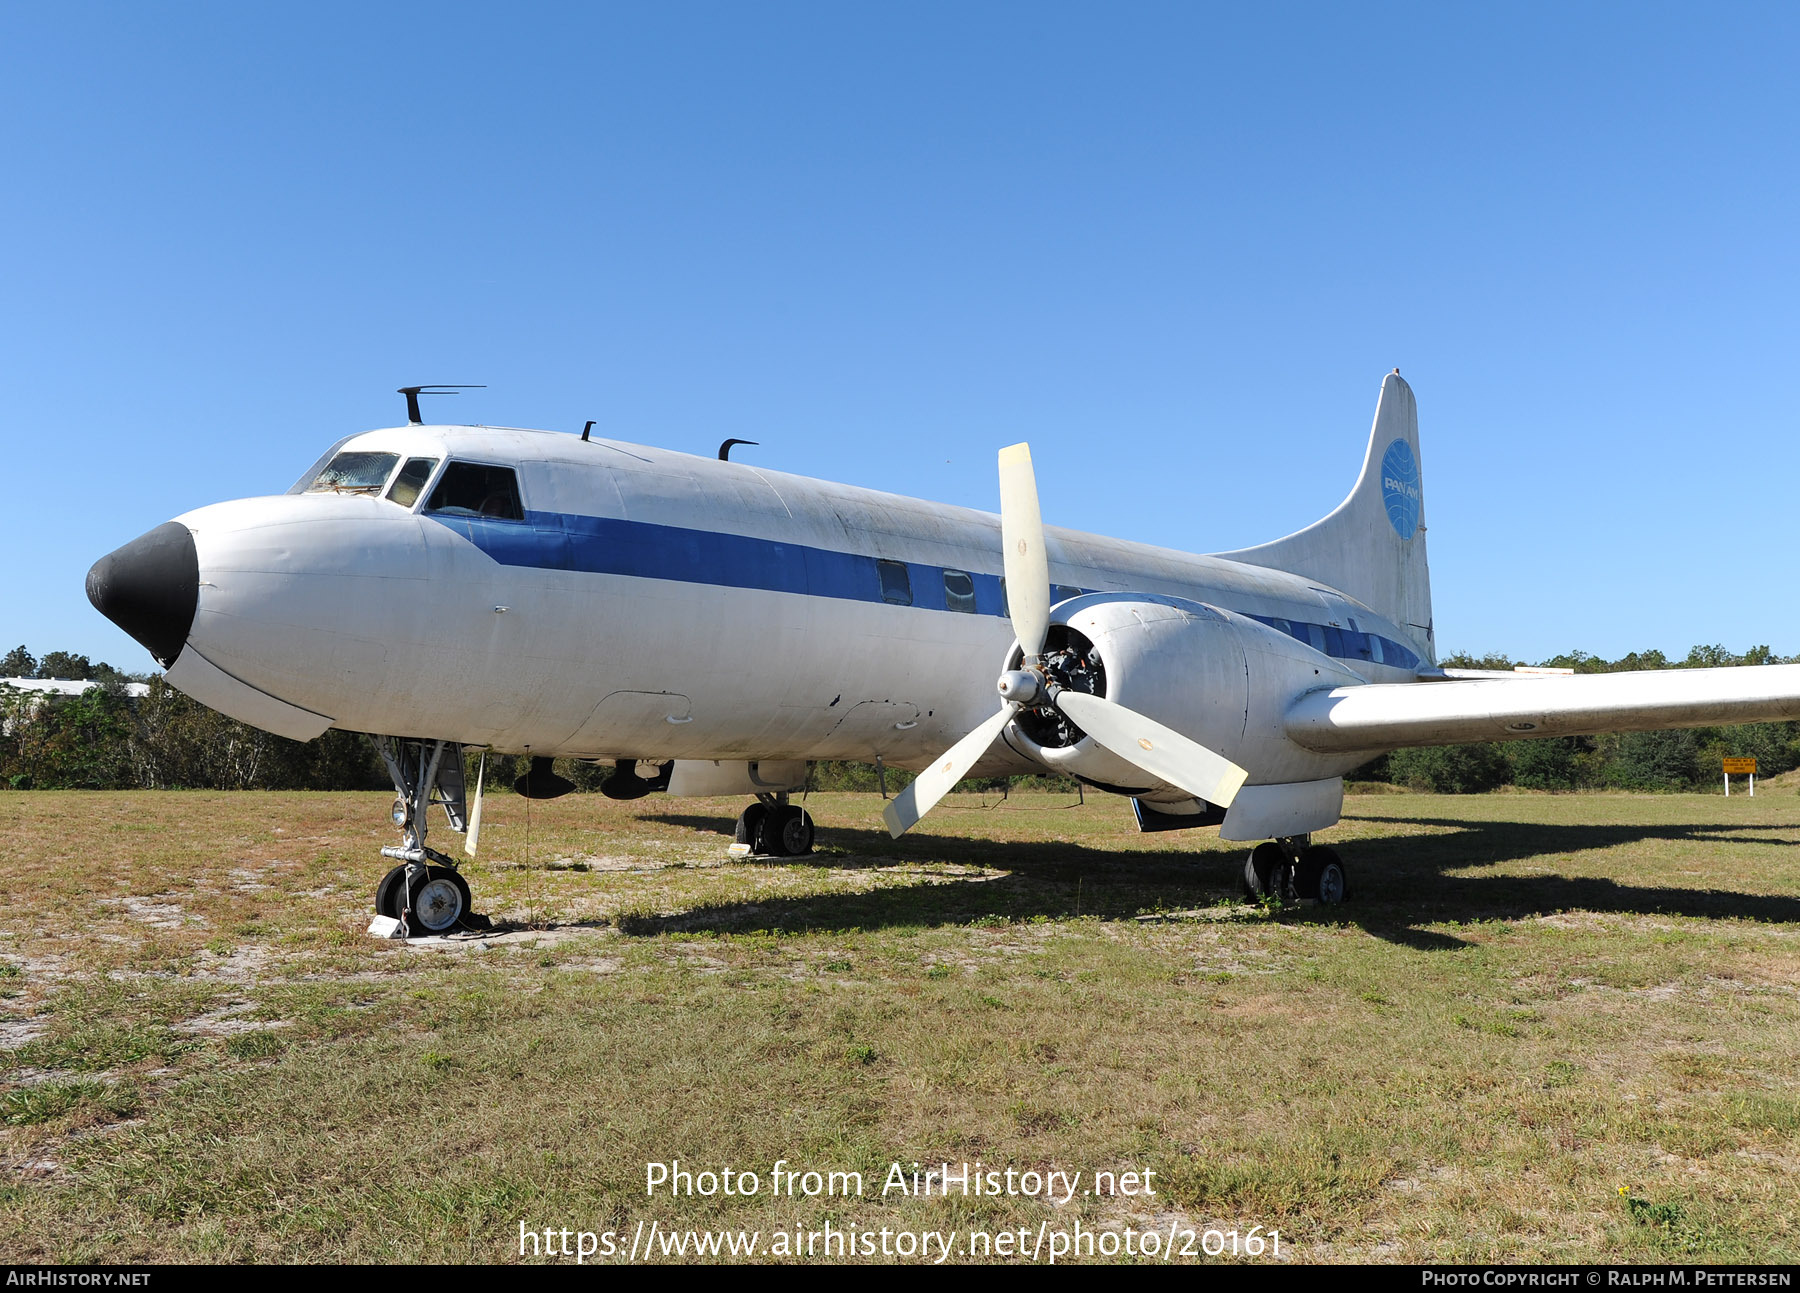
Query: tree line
x,y
1683,759
105,739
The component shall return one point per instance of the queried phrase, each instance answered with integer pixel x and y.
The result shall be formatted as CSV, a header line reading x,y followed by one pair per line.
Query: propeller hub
x,y
1021,686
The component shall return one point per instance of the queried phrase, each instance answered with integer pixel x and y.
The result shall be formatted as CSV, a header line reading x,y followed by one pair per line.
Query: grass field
x,y
1534,1003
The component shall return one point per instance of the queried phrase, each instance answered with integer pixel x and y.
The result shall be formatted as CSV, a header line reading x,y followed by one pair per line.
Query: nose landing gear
x,y
424,894
773,827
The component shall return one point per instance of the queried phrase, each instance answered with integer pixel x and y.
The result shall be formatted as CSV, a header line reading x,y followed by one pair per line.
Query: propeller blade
x,y
1164,753
906,808
1022,537
472,839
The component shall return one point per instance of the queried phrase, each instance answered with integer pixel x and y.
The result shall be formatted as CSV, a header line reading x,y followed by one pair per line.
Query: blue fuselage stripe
x,y
613,546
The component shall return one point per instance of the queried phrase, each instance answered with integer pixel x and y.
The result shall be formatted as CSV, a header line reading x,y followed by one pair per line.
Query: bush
x,y
103,740
1449,769
1652,760
1549,764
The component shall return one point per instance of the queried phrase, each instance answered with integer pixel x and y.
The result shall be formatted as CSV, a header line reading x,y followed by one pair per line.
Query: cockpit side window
x,y
355,472
412,478
472,489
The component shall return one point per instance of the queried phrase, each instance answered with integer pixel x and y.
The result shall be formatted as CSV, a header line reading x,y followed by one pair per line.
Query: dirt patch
x,y
158,915
547,937
14,1033
246,964
224,1022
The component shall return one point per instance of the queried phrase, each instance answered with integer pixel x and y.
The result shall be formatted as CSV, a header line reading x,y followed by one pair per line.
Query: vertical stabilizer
x,y
1372,547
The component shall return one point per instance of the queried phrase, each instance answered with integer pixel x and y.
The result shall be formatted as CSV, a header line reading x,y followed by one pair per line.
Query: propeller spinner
x,y
1163,753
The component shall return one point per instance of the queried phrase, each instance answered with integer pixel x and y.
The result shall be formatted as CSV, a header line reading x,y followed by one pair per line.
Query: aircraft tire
x,y
792,827
750,827
1266,873
439,901
1331,884
387,893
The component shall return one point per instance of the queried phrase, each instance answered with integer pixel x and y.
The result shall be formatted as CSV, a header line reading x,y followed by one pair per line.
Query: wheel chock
x,y
385,927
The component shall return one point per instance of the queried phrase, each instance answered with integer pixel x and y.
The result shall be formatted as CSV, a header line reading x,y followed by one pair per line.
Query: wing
x,y
1384,716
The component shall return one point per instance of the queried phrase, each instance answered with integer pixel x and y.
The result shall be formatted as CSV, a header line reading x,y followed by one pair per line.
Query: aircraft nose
x,y
151,588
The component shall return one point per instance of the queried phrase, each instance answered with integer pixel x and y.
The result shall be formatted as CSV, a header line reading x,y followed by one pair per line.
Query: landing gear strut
x,y
773,827
424,893
1293,867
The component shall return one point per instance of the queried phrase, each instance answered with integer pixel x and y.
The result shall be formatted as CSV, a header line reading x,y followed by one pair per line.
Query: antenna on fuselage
x,y
725,449
589,427
412,394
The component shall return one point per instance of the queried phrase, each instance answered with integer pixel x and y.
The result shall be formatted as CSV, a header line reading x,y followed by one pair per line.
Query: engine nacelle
x,y
1214,676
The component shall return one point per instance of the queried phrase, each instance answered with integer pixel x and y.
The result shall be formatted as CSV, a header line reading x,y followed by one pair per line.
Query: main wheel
x,y
439,899
750,824
1267,873
792,827
1331,883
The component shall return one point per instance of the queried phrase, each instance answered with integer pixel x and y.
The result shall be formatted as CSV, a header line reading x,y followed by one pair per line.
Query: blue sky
x,y
1174,246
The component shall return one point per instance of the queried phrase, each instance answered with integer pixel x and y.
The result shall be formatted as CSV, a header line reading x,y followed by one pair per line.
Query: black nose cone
x,y
150,588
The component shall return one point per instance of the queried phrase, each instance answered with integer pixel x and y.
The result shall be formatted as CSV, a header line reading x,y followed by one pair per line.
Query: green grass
x,y
1534,1002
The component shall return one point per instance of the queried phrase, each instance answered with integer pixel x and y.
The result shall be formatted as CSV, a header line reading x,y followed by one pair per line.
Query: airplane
x,y
711,627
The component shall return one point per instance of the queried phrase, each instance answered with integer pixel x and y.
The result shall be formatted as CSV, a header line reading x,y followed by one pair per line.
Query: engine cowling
x,y
1214,676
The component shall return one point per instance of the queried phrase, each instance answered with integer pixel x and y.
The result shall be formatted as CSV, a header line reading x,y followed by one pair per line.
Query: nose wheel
x,y
435,903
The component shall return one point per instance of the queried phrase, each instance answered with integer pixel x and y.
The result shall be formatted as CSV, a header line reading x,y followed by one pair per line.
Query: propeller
x,y
1160,751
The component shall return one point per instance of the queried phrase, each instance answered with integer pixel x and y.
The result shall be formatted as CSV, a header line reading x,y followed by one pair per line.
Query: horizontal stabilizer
x,y
1385,716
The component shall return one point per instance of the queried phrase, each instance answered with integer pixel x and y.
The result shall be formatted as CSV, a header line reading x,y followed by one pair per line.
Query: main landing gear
x,y
1293,867
424,893
773,827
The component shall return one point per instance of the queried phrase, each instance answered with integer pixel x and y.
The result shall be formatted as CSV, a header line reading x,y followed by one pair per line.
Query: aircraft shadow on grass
x,y
1401,883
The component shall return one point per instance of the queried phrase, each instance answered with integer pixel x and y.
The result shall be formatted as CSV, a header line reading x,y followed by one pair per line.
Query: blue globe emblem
x,y
1400,490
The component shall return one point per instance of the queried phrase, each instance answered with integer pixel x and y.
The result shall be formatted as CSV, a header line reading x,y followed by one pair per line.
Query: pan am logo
x,y
1400,488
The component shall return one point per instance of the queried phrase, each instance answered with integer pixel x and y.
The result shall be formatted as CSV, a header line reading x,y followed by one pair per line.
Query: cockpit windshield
x,y
355,472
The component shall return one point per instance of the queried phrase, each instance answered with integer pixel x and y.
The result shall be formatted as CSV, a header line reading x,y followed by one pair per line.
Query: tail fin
x,y
1373,546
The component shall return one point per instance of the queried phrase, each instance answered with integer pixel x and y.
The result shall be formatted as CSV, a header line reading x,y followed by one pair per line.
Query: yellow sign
x,y
1740,767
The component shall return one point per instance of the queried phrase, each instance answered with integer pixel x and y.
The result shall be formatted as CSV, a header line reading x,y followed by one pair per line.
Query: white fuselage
x,y
656,605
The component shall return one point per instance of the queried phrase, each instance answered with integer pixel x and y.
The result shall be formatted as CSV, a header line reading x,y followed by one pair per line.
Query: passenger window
x,y
356,472
959,592
412,478
470,489
896,585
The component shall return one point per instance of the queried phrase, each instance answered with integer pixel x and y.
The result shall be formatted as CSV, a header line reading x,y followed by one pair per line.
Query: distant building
x,y
49,691
48,687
